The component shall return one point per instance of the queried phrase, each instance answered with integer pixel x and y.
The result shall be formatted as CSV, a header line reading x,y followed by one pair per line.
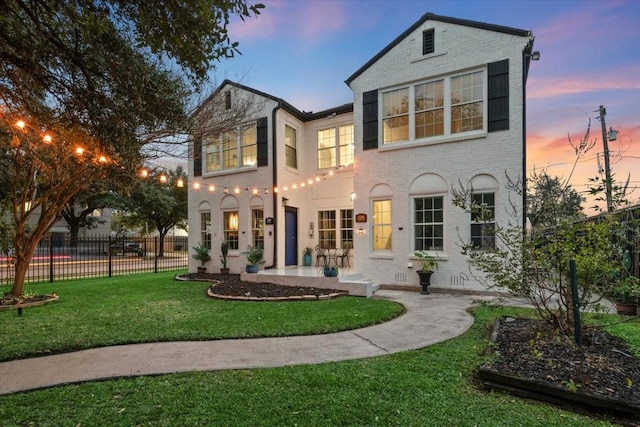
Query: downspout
x,y
274,184
526,60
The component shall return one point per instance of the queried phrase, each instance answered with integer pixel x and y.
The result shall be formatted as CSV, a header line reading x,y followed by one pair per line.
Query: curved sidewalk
x,y
429,319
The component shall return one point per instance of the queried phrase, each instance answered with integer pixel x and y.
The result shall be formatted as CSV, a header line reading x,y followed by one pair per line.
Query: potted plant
x,y
330,271
201,254
428,265
224,249
255,257
306,256
627,294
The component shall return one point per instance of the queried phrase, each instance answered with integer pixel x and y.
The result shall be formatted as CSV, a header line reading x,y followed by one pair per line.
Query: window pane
x,y
291,146
381,225
326,148
467,106
483,220
346,227
212,149
230,228
428,228
257,227
429,102
396,115
345,136
230,150
248,144
327,229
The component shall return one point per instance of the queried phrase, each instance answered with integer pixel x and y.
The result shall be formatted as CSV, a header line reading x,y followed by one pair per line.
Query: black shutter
x,y
197,157
498,93
428,42
370,120
262,140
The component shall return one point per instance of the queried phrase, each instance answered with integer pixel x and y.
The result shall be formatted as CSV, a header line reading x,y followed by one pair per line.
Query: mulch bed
x,y
230,285
603,366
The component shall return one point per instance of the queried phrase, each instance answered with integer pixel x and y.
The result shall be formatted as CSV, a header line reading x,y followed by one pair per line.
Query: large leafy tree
x,y
551,201
159,201
85,84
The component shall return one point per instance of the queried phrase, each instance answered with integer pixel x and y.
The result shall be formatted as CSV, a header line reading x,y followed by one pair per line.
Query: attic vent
x,y
428,42
227,100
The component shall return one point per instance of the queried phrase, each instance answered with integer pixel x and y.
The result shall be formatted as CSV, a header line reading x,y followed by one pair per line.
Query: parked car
x,y
125,247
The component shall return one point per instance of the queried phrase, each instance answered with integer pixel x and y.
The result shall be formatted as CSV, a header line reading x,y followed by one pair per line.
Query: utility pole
x,y
607,166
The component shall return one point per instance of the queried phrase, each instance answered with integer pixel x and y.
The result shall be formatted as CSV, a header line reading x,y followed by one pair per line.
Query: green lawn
x,y
433,386
155,307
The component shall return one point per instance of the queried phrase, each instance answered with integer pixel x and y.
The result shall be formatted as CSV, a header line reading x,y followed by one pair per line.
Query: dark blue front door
x,y
290,237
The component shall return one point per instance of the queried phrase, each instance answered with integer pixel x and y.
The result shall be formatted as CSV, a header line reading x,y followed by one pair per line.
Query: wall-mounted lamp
x,y
352,196
360,231
535,56
285,201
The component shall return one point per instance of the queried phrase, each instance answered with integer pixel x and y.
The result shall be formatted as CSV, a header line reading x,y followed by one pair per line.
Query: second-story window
x,y
438,108
291,151
335,146
232,149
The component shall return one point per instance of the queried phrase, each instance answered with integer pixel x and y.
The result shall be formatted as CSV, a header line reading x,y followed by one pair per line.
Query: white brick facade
x,y
430,166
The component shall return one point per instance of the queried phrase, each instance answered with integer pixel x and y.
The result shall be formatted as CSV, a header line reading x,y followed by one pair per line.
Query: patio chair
x,y
345,255
321,254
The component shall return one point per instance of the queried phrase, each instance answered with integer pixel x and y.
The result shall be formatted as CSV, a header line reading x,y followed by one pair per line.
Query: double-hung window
x,y
335,146
230,229
291,150
381,227
441,107
330,228
257,227
483,225
428,224
232,149
205,229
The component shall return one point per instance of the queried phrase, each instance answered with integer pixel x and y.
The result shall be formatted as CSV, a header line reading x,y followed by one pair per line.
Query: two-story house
x,y
443,105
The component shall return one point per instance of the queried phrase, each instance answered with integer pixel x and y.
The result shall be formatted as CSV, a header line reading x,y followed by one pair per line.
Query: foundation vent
x,y
401,277
460,280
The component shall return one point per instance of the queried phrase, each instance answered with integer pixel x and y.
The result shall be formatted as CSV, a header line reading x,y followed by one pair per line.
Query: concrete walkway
x,y
429,319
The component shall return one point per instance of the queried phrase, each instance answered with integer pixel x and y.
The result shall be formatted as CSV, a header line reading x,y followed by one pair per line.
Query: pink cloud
x,y
301,21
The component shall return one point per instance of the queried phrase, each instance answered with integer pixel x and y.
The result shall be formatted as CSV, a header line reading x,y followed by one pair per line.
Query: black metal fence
x,y
56,258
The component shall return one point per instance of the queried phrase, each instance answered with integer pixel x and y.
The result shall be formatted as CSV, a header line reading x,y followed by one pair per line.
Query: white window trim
x,y
239,131
336,146
445,214
448,136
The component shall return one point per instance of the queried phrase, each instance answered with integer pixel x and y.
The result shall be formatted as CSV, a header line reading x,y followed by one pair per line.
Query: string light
x,y
196,185
163,178
47,138
20,124
79,151
212,188
181,183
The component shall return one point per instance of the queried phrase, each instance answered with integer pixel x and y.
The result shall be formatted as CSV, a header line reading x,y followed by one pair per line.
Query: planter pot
x,y
629,308
252,268
202,270
425,280
306,259
330,272
224,271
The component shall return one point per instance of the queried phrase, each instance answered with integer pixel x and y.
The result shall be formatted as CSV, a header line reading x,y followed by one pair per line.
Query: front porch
x,y
348,279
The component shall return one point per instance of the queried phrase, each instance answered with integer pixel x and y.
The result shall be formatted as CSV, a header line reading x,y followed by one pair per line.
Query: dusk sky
x,y
304,50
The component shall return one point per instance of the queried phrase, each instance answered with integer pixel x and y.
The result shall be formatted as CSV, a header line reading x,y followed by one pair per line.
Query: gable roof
x,y
303,116
433,17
